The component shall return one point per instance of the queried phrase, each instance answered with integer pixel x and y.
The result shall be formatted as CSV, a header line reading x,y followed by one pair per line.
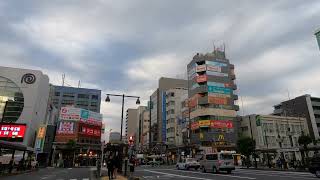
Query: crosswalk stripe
x,y
85,179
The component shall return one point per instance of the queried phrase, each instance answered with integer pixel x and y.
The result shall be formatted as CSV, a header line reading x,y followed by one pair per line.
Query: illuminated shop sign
x,y
41,132
91,131
12,131
217,124
217,100
219,95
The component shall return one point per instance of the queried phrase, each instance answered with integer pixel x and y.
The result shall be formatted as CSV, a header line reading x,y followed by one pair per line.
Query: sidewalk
x,y
119,177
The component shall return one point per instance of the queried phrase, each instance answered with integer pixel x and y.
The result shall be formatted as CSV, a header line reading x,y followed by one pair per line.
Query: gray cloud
x,y
125,47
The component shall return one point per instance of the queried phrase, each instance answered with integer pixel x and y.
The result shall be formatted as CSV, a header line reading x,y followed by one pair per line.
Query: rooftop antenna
x,y
214,47
79,84
224,47
63,77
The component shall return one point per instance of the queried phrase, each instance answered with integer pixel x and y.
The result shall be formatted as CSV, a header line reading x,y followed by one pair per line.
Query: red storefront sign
x,y
12,130
221,124
91,131
201,68
194,125
202,78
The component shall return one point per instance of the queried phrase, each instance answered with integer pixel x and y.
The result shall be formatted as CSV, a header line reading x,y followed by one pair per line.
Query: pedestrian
x,y
110,166
117,165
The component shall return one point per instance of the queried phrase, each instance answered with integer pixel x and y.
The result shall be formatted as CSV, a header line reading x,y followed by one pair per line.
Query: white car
x,y
188,163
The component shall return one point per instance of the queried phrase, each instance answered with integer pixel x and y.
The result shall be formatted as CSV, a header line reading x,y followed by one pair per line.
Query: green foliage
x,y
246,145
304,140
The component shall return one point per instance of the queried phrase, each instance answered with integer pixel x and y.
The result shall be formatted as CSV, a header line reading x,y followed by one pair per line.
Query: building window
x,y
57,93
71,95
84,96
94,104
95,97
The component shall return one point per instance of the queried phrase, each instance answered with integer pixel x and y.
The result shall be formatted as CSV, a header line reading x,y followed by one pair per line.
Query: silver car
x,y
217,162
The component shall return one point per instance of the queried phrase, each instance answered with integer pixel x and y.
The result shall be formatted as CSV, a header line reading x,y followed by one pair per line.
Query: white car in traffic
x,y
188,163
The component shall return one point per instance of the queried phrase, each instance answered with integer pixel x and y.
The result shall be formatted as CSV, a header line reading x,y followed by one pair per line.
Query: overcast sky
x,y
126,46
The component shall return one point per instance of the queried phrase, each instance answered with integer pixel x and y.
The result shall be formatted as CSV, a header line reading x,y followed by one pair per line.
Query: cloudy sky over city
x,y
126,46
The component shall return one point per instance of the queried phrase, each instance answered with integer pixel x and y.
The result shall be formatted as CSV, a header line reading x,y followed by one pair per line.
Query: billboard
x,y
211,73
66,127
221,124
202,78
41,132
213,63
196,85
91,131
218,100
193,101
204,123
70,113
209,83
219,90
12,131
90,117
219,95
201,68
214,68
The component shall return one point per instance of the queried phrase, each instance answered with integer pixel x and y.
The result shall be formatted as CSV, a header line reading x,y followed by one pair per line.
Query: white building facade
x,y
24,97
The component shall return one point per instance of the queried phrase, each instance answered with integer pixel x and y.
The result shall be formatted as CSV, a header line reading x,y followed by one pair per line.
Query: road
x,y
165,173
55,174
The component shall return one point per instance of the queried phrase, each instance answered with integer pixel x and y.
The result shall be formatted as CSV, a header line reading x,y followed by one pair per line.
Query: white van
x,y
217,162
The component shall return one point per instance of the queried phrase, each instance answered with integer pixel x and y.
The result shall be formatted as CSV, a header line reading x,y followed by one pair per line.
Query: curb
x,y
271,169
17,173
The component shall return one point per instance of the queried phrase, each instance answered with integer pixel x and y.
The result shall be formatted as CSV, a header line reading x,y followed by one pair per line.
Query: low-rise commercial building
x,y
274,135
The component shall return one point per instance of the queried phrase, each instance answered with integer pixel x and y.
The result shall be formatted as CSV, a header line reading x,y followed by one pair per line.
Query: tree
x,y
71,146
304,140
246,147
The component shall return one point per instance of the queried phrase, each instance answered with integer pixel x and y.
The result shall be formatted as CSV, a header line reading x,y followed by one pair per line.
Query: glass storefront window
x,y
11,101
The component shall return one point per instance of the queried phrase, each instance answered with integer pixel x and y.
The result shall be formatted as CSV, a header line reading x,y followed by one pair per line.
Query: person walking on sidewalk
x,y
117,165
110,165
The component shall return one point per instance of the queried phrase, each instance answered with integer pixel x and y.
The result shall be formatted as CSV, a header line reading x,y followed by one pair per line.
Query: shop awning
x,y
15,146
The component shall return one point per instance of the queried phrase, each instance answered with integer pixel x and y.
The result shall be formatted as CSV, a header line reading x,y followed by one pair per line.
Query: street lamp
x,y
123,96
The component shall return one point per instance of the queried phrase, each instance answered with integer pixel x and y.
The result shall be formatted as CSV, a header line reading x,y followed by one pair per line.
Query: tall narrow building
x,y
212,101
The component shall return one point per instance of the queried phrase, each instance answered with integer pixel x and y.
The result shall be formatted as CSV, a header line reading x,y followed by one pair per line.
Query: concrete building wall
x,y
84,98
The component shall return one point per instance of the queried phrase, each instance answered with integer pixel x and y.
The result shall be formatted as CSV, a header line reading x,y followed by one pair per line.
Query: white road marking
x,y
278,174
85,179
240,177
176,175
69,168
73,179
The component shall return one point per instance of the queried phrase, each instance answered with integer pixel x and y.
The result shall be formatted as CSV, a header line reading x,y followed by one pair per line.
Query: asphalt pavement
x,y
55,174
169,172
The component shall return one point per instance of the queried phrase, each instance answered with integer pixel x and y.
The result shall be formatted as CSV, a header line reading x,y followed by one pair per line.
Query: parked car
x,y
217,162
188,163
314,167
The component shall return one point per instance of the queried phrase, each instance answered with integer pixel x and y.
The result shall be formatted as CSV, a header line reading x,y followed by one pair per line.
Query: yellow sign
x,y
221,137
204,123
41,132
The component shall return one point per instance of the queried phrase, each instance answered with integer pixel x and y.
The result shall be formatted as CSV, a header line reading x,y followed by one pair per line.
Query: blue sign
x,y
220,90
214,63
84,114
215,84
164,118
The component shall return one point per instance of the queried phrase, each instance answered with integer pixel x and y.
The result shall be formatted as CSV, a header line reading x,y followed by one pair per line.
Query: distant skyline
x,y
126,46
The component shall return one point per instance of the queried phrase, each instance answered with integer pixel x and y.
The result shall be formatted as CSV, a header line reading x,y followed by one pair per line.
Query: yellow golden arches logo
x,y
221,137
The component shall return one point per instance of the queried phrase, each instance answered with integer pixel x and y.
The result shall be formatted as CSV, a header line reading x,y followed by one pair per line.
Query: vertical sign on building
x,y
164,117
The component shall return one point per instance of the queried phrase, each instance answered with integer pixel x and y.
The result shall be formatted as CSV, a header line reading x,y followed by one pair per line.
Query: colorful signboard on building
x,y
201,68
10,131
193,101
41,132
219,95
91,117
211,73
202,78
194,125
221,124
70,113
91,131
66,127
209,83
220,90
196,85
213,68
218,100
204,123
213,63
